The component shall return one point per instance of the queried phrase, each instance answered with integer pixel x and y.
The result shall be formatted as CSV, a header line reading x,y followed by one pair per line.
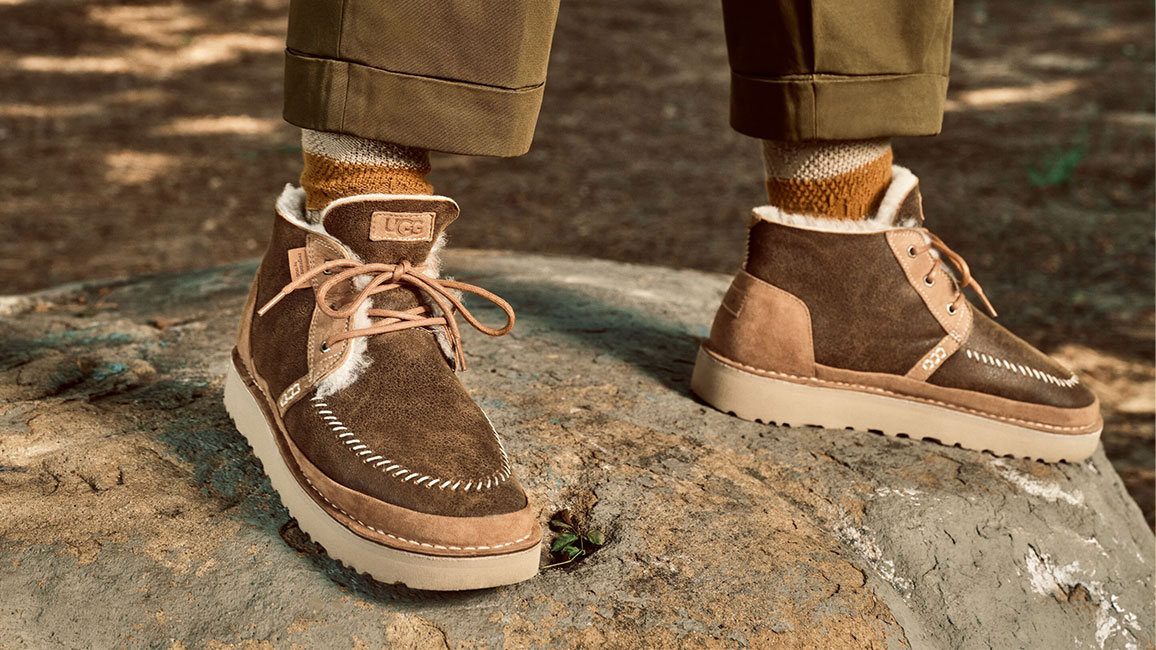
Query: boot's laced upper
x,y
965,279
387,277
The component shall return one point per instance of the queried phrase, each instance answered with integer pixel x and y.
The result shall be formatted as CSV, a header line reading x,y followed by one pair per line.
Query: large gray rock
x,y
133,515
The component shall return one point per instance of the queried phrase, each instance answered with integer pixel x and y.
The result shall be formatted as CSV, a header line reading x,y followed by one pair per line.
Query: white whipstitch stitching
x,y
1026,371
397,470
411,541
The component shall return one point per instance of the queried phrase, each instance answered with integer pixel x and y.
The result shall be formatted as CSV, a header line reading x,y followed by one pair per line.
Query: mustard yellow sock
x,y
834,179
338,165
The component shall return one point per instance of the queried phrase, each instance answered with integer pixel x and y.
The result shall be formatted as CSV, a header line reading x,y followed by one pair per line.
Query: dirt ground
x,y
142,136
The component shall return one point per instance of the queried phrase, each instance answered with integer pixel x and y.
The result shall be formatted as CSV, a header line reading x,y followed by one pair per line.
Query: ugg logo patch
x,y
402,226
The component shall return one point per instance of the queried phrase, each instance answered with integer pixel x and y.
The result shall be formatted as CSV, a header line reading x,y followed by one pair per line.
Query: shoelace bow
x,y
965,279
386,278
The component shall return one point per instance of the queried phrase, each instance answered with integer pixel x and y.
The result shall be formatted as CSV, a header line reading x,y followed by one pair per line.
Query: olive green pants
x,y
467,76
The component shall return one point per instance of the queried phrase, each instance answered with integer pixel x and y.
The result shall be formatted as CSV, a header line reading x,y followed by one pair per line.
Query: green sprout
x,y
573,541
1059,165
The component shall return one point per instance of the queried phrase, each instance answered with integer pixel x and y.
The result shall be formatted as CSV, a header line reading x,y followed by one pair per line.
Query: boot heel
x,y
750,396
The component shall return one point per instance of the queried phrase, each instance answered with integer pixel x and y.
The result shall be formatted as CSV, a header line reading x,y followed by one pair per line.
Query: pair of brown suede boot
x,y
344,374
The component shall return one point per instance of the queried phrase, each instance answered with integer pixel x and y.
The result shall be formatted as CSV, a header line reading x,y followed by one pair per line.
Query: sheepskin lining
x,y
291,205
902,183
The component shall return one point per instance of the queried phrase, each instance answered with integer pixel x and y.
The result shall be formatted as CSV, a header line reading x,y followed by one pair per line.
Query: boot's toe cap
x,y
482,533
449,488
996,362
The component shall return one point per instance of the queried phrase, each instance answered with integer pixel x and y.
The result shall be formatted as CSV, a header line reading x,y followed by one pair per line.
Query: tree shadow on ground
x,y
656,345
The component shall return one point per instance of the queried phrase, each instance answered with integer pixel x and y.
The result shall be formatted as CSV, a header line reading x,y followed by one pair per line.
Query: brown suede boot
x,y
858,324
344,383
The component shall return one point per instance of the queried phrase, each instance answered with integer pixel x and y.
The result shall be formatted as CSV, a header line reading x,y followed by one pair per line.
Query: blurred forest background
x,y
142,136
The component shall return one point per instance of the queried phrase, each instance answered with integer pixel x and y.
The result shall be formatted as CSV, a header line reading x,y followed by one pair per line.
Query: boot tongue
x,y
389,229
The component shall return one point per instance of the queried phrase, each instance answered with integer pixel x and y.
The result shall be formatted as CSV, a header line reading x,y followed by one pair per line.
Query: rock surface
x,y
133,515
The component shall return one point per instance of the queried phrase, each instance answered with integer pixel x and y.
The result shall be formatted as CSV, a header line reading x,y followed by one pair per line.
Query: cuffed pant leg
x,y
837,70
459,76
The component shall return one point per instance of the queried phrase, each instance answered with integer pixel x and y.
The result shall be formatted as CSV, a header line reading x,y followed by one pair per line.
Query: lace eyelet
x,y
327,272
928,281
324,347
911,251
951,309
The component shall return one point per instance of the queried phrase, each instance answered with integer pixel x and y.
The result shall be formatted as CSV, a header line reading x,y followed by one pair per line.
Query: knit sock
x,y
838,179
338,165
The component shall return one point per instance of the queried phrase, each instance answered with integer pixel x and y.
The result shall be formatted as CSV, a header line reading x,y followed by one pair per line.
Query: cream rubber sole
x,y
769,400
385,564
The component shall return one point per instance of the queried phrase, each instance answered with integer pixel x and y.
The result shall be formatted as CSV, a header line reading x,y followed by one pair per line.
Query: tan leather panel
x,y
318,250
324,360
938,295
947,346
764,326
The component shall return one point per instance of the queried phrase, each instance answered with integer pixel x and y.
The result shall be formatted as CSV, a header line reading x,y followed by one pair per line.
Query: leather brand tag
x,y
402,226
298,263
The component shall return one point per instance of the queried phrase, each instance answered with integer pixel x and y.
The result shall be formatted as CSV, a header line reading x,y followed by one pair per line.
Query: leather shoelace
x,y
965,279
387,277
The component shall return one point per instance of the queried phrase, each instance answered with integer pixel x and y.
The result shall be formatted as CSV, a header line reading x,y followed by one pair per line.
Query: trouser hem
x,y
837,107
426,112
